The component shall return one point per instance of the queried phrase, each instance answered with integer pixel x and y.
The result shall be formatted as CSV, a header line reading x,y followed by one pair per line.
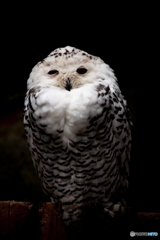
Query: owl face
x,y
68,68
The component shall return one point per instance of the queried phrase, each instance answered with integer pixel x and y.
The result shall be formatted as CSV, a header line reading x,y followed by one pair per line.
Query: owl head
x,y
69,68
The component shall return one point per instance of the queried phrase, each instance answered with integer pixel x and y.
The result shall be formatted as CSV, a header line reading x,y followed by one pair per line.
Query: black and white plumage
x,y
78,129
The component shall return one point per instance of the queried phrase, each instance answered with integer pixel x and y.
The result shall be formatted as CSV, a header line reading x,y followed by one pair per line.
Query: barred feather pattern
x,y
80,144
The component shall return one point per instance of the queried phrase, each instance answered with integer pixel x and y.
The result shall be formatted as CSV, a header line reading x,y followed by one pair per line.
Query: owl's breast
x,y
82,106
58,110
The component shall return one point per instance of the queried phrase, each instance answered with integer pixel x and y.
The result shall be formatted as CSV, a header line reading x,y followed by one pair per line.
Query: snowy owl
x,y
78,129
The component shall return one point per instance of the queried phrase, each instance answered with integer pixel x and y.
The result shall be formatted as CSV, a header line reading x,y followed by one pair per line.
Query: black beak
x,y
68,86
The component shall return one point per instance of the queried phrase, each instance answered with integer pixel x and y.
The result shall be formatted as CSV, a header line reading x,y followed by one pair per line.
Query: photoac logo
x,y
147,234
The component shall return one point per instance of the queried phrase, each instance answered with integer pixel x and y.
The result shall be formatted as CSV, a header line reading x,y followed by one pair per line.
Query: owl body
x,y
78,129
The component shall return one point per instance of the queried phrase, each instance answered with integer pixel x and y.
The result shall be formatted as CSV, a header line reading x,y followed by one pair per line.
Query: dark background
x,y
125,37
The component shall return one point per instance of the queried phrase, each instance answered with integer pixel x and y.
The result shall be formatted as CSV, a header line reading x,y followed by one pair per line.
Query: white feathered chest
x,y
78,130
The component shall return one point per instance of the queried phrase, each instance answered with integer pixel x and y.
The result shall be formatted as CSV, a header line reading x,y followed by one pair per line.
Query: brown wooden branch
x,y
24,220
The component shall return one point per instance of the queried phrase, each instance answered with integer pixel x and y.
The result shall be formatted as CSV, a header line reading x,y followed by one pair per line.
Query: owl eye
x,y
81,70
52,72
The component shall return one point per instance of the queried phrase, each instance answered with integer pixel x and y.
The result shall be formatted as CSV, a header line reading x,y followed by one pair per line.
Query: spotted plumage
x,y
78,129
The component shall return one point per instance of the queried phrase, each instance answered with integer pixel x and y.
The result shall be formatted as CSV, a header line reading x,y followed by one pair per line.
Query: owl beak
x,y
68,86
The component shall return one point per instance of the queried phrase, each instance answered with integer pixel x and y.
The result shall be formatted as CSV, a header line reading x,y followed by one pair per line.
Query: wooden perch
x,y
40,221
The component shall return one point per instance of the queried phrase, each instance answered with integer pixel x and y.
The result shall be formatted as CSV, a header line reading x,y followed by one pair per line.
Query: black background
x,y
125,37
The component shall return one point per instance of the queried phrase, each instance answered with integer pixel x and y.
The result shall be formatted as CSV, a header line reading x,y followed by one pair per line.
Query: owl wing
x,y
36,136
118,113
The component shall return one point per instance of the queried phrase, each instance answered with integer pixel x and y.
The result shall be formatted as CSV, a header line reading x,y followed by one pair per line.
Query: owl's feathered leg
x,y
115,209
57,207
